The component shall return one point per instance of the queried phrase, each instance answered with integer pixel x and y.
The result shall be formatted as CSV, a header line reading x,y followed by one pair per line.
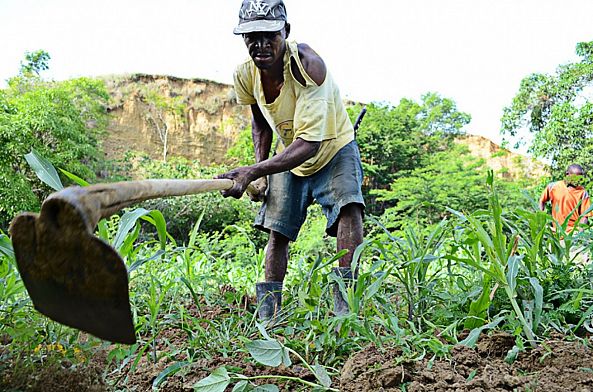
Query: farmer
x,y
291,93
570,200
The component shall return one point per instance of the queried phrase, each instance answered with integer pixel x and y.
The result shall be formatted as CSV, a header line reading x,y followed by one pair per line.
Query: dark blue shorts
x,y
337,184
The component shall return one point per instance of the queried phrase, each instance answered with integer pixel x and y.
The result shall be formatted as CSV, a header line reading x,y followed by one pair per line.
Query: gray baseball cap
x,y
261,15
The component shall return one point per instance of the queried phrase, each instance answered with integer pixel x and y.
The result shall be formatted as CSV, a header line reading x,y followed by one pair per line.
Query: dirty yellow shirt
x,y
310,112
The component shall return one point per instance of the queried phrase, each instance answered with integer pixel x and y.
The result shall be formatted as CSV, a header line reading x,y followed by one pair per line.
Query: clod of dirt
x,y
554,366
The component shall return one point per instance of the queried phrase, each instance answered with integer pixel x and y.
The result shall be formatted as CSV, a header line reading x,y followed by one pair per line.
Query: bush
x,y
61,120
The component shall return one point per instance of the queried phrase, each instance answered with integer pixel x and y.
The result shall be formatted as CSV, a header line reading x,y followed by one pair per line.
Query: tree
x,y
34,63
61,120
395,140
161,109
453,179
557,110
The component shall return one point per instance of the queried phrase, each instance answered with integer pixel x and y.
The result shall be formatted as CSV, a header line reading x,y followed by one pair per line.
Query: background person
x,y
569,199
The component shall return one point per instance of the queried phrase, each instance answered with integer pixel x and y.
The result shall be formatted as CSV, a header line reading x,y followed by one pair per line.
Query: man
x,y
292,94
570,200
568,197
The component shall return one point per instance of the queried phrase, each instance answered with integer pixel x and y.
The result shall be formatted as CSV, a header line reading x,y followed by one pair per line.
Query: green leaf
x,y
539,301
266,388
77,180
160,225
6,246
266,352
215,382
169,371
242,386
322,376
44,170
473,336
513,270
126,224
137,264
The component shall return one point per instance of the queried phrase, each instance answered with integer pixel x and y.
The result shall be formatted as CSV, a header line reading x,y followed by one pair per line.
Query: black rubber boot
x,y
340,304
269,299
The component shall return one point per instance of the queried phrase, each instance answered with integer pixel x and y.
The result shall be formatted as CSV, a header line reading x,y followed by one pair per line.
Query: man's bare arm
x,y
295,154
261,133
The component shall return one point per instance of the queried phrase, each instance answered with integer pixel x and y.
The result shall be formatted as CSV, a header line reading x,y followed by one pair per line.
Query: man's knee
x,y
351,213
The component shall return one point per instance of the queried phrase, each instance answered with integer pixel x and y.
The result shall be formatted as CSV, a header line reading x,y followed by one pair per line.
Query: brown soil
x,y
554,366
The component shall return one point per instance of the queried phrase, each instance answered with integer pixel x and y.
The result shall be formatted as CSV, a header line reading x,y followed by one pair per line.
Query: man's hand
x,y
257,189
242,176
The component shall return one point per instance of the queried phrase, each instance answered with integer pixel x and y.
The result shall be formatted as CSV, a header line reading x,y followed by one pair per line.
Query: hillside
x,y
211,120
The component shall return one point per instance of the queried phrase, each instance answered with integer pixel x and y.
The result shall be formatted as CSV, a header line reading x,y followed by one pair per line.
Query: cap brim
x,y
259,25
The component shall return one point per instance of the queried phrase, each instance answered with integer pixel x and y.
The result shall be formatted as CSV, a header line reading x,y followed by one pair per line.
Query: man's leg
x,y
349,236
350,232
276,257
269,293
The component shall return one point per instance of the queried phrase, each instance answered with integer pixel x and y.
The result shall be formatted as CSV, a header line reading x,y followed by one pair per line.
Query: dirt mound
x,y
555,365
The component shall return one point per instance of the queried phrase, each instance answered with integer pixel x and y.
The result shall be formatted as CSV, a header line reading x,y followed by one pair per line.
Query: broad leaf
x,y
215,382
242,386
126,224
6,246
322,376
266,388
45,171
266,352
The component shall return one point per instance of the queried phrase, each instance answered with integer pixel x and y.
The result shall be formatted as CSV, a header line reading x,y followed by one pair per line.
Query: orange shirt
x,y
564,200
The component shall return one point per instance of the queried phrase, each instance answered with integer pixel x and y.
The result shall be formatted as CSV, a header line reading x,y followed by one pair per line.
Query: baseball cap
x,y
261,15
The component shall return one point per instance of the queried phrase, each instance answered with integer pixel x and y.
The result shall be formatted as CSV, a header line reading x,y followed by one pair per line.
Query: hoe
x,y
74,277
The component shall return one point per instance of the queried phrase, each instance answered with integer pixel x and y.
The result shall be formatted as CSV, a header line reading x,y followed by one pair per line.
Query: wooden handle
x,y
102,200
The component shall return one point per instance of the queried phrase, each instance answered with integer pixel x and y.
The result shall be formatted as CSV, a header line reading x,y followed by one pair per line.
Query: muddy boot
x,y
269,299
340,304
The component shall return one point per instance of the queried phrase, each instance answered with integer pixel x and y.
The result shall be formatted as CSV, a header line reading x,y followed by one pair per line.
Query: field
x,y
488,300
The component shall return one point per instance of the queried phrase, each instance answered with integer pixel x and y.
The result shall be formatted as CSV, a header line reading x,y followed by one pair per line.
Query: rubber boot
x,y
340,304
269,299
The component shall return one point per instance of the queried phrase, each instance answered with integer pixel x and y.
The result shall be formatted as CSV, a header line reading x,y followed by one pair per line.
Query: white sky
x,y
473,51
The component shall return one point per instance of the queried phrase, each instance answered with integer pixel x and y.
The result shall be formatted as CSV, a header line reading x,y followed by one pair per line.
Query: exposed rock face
x,y
209,120
502,161
204,127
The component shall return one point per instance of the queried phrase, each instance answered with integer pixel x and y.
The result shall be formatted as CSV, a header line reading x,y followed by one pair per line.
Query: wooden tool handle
x,y
102,200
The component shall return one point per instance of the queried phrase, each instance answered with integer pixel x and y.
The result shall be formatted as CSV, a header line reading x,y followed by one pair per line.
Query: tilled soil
x,y
554,366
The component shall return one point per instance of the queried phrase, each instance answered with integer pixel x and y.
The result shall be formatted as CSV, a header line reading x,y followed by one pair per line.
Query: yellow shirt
x,y
310,112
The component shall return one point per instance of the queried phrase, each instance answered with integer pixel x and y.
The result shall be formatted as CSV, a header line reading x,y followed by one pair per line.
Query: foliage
x,y
34,63
557,110
61,120
397,139
242,152
182,213
452,180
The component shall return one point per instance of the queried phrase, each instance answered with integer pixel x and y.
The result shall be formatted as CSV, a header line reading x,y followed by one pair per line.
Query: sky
x,y
473,51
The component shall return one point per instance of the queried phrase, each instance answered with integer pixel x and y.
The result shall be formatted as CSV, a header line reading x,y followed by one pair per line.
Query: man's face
x,y
574,178
266,48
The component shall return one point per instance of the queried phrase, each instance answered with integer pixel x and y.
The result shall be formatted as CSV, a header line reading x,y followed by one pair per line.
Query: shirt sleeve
x,y
243,86
546,194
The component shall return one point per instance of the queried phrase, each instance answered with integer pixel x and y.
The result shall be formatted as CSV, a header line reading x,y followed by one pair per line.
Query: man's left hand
x,y
241,176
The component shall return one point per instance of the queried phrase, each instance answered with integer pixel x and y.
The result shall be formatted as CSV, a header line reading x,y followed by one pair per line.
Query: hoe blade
x,y
72,276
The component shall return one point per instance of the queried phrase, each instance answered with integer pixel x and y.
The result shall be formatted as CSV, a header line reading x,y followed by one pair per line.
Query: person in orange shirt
x,y
568,197
570,200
